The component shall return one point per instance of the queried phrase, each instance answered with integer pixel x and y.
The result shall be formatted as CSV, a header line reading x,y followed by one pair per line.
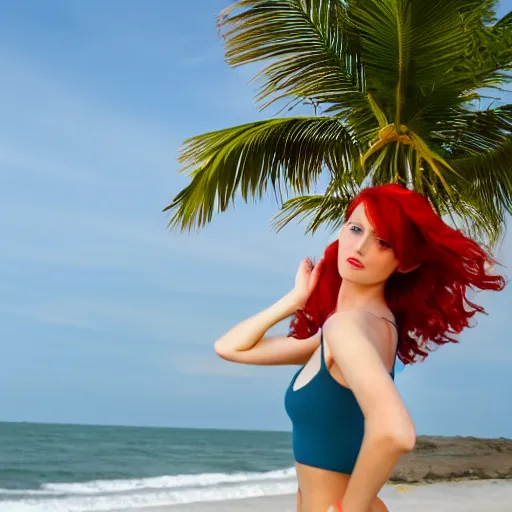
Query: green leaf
x,y
309,48
477,132
422,52
327,209
487,189
502,42
289,151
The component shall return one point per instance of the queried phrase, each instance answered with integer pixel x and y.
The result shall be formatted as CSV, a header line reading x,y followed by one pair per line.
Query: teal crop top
x,y
328,424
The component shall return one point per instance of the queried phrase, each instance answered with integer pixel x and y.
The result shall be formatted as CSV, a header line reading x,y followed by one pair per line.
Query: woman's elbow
x,y
220,350
400,437
406,442
225,353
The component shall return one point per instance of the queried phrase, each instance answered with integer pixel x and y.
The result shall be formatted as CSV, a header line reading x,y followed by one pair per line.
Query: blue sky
x,y
105,316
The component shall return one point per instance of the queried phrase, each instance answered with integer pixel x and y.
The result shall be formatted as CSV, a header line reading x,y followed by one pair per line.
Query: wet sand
x,y
468,496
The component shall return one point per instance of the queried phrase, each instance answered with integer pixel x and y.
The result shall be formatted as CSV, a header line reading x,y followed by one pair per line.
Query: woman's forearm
x,y
248,332
377,458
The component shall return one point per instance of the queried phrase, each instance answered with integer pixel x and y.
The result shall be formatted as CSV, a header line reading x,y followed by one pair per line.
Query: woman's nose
x,y
362,245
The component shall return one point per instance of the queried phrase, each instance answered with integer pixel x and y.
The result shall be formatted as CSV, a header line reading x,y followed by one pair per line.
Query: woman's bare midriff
x,y
320,488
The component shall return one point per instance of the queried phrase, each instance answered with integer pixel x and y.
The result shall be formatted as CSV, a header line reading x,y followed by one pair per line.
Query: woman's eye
x,y
356,229
383,243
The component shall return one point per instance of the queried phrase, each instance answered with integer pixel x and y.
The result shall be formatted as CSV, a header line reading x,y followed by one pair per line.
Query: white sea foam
x,y
106,495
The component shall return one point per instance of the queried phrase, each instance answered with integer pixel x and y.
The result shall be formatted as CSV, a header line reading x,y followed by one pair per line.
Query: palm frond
x,y
502,42
250,158
311,53
503,26
327,209
449,49
411,48
485,54
488,186
476,132
480,221
477,218
490,174
420,53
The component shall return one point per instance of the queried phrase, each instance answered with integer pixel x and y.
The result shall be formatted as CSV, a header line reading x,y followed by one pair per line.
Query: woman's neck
x,y
354,296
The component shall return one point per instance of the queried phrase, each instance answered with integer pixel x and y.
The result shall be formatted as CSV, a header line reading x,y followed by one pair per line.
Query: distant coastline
x,y
440,458
206,428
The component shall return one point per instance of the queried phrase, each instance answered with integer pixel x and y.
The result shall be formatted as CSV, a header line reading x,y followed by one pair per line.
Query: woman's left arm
x,y
358,345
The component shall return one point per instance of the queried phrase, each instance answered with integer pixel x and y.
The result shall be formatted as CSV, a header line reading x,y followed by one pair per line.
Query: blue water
x,y
76,468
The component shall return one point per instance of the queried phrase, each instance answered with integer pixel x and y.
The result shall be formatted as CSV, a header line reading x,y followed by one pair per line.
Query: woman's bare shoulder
x,y
364,318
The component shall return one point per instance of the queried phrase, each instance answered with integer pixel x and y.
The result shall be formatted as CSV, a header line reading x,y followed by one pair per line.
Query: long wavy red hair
x,y
430,303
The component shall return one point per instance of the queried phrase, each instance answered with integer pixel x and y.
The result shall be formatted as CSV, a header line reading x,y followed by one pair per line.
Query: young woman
x,y
394,284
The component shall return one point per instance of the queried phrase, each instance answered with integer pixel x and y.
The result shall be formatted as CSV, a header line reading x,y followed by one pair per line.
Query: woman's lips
x,y
354,262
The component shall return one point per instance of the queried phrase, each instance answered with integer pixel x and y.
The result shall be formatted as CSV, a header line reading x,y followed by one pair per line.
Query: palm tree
x,y
398,94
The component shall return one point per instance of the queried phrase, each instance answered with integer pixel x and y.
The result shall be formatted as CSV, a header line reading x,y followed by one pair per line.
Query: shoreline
x,y
464,496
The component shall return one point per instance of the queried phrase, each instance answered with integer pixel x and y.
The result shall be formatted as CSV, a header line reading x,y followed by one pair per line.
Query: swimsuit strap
x,y
396,351
323,366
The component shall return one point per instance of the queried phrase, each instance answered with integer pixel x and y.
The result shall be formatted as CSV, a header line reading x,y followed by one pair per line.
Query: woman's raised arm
x,y
246,341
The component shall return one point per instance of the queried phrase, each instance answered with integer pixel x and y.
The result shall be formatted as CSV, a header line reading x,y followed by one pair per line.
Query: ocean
x,y
78,468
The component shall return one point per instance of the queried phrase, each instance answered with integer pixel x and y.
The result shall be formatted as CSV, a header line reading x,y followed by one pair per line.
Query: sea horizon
x,y
121,425
206,428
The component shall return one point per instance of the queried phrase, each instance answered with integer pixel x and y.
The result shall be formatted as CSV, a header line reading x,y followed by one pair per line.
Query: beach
x,y
84,468
466,496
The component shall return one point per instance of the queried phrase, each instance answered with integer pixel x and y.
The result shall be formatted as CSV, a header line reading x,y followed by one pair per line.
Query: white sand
x,y
471,496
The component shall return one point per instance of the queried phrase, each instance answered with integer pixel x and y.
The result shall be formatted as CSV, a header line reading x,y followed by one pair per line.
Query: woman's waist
x,y
319,487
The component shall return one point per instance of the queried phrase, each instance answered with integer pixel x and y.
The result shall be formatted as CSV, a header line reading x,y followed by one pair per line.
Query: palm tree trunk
x,y
408,168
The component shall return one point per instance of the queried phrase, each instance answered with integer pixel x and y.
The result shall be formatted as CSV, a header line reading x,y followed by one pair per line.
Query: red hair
x,y
430,303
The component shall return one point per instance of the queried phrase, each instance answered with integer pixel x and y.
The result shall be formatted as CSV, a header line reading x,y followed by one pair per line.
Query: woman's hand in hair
x,y
305,280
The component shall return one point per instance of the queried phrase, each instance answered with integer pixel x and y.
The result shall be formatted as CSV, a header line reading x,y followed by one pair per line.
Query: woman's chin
x,y
354,277
350,273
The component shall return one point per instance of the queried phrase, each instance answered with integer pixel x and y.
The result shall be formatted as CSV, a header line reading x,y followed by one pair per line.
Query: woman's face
x,y
363,257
